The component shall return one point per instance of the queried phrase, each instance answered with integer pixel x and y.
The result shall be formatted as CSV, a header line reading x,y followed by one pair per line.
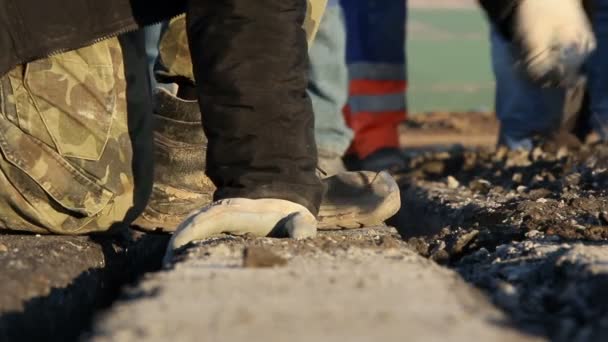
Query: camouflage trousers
x,y
70,158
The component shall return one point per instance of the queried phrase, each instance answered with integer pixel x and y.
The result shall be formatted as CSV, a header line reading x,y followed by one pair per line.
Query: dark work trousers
x,y
251,68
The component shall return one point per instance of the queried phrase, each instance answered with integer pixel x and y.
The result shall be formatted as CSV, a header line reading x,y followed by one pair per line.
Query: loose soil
x,y
530,228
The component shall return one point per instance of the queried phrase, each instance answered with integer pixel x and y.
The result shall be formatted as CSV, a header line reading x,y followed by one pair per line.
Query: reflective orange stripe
x,y
373,131
371,87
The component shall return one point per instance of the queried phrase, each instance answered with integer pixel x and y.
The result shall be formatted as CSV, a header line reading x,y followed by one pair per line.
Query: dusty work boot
x,y
358,199
180,184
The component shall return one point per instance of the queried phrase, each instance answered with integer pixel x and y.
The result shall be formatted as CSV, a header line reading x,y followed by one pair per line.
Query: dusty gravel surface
x,y
531,228
360,285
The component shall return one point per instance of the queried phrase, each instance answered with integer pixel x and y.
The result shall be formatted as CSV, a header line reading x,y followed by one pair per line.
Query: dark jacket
x,y
32,29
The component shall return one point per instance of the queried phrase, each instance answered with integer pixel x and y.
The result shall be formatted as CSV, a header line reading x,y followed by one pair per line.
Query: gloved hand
x,y
553,39
239,216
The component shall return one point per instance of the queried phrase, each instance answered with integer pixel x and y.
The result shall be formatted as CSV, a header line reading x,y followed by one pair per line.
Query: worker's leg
x,y
524,109
328,87
377,71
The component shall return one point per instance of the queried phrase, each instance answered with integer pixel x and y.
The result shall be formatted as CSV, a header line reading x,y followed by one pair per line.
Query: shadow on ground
x,y
52,286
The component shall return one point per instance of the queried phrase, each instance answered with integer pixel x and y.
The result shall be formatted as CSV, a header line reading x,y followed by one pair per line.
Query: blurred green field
x,y
449,61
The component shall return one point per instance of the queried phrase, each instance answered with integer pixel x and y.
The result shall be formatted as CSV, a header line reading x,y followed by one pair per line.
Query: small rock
x,y
463,241
480,185
517,177
533,233
452,182
538,178
259,257
507,288
572,179
435,167
482,253
389,242
439,254
537,153
562,152
537,194
497,190
419,245
500,154
577,225
505,250
521,189
441,257
518,158
3,248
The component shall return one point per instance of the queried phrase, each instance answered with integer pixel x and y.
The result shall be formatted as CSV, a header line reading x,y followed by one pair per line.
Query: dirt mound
x,y
529,227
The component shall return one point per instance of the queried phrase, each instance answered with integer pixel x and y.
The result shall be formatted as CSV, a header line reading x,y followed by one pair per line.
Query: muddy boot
x,y
180,183
358,199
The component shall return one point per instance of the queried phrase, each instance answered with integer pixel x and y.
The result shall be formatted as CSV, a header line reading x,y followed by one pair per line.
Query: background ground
x,y
448,57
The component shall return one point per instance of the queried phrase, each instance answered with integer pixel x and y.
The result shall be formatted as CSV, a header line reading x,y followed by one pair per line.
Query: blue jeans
x,y
525,110
328,85
152,37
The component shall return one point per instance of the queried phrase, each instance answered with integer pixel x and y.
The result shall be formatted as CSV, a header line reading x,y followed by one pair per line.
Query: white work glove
x,y
554,38
239,216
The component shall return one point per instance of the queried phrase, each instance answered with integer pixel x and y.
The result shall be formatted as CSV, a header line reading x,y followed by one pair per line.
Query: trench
x,y
553,287
65,312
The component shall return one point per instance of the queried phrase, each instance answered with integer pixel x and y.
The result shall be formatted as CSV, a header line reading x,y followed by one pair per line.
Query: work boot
x,y
358,199
180,184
